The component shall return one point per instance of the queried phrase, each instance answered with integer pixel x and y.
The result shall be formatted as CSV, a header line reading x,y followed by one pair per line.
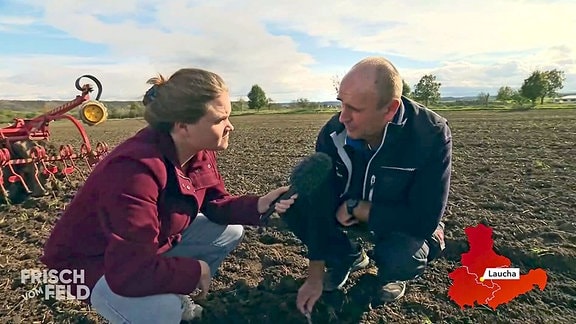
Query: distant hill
x,y
467,98
41,105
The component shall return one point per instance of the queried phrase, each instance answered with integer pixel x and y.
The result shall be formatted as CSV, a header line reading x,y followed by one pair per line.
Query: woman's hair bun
x,y
151,94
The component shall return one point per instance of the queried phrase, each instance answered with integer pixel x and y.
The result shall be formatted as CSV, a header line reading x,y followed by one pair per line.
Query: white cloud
x,y
237,47
11,23
477,44
16,20
49,77
490,75
434,30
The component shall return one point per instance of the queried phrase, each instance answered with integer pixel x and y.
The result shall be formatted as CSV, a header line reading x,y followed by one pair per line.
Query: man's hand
x,y
362,211
205,278
281,206
361,214
344,218
308,295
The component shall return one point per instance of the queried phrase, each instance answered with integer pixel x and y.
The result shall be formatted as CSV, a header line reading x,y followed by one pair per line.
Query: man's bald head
x,y
371,96
386,78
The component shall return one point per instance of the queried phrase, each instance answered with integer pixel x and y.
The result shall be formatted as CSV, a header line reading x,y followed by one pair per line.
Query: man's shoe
x,y
190,310
336,276
391,291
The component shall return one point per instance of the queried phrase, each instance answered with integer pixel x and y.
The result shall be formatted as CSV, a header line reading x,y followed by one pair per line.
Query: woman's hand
x,y
281,206
205,278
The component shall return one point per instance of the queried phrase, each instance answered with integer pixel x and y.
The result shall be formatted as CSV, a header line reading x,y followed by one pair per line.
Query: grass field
x,y
514,171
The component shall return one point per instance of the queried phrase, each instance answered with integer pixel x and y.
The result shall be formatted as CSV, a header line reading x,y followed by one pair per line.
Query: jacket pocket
x,y
390,183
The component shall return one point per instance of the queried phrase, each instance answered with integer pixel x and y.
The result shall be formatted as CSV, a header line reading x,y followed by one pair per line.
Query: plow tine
x,y
4,191
65,154
4,159
94,156
38,154
84,155
37,179
15,177
49,171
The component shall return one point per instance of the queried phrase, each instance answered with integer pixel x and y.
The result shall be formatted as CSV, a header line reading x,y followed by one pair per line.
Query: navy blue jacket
x,y
407,178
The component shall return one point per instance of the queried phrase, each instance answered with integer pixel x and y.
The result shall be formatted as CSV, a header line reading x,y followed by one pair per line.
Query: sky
x,y
292,49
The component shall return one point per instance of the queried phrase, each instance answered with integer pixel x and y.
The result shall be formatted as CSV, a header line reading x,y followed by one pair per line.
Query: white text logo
x,y
60,285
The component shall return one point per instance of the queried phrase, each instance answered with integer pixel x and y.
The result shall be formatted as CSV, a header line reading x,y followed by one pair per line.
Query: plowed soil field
x,y
514,171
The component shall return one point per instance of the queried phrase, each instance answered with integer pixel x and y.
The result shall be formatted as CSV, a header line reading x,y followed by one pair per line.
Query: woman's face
x,y
212,131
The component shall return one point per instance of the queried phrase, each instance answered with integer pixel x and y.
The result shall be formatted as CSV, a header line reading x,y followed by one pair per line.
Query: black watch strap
x,y
350,205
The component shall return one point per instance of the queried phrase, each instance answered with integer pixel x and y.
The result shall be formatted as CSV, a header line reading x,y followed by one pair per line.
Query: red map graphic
x,y
467,289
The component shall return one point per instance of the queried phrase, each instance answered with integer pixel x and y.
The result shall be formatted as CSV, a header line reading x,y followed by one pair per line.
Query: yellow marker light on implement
x,y
93,113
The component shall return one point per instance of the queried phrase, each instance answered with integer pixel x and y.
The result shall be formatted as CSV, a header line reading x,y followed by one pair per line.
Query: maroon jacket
x,y
133,207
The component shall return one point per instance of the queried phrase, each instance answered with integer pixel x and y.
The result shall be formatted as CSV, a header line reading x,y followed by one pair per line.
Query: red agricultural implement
x,y
28,163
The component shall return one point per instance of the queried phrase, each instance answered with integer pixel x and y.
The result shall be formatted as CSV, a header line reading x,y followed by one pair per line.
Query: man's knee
x,y
400,257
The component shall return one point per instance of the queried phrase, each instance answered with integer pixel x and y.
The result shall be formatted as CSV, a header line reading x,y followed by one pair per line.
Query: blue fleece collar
x,y
360,145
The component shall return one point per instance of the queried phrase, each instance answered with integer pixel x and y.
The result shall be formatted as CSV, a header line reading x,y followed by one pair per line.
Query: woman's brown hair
x,y
182,98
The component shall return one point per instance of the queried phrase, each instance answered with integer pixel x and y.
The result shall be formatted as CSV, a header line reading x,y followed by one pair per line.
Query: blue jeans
x,y
203,240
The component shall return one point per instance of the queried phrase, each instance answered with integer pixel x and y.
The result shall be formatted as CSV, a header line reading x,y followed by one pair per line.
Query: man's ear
x,y
392,109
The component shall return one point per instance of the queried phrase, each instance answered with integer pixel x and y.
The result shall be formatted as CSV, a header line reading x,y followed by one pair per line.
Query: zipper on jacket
x,y
368,167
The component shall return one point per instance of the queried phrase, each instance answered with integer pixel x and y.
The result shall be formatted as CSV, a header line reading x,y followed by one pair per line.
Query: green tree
x,y
135,110
518,98
241,102
303,102
555,81
505,93
114,113
132,111
427,89
535,86
256,97
405,89
483,98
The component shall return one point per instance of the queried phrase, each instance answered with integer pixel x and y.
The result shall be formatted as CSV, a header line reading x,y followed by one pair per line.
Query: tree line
x,y
540,84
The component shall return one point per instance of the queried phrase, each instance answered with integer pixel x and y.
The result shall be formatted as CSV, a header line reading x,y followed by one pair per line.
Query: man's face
x,y
212,131
361,114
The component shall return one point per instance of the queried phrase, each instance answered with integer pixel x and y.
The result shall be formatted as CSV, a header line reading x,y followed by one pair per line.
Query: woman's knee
x,y
163,308
232,236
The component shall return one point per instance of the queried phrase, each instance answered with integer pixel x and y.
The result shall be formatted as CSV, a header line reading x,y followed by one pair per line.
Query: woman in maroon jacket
x,y
154,221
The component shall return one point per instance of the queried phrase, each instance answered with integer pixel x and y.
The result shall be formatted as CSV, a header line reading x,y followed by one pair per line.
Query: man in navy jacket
x,y
392,164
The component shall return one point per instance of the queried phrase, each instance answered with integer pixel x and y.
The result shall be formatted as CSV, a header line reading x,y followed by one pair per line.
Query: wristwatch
x,y
350,205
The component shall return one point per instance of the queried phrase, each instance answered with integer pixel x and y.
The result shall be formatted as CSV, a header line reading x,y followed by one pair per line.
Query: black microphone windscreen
x,y
310,173
306,177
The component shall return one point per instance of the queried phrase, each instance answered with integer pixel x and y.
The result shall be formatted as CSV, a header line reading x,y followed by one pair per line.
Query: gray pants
x,y
203,240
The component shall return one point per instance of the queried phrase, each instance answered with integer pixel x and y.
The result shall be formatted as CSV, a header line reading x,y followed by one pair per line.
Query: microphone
x,y
306,177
